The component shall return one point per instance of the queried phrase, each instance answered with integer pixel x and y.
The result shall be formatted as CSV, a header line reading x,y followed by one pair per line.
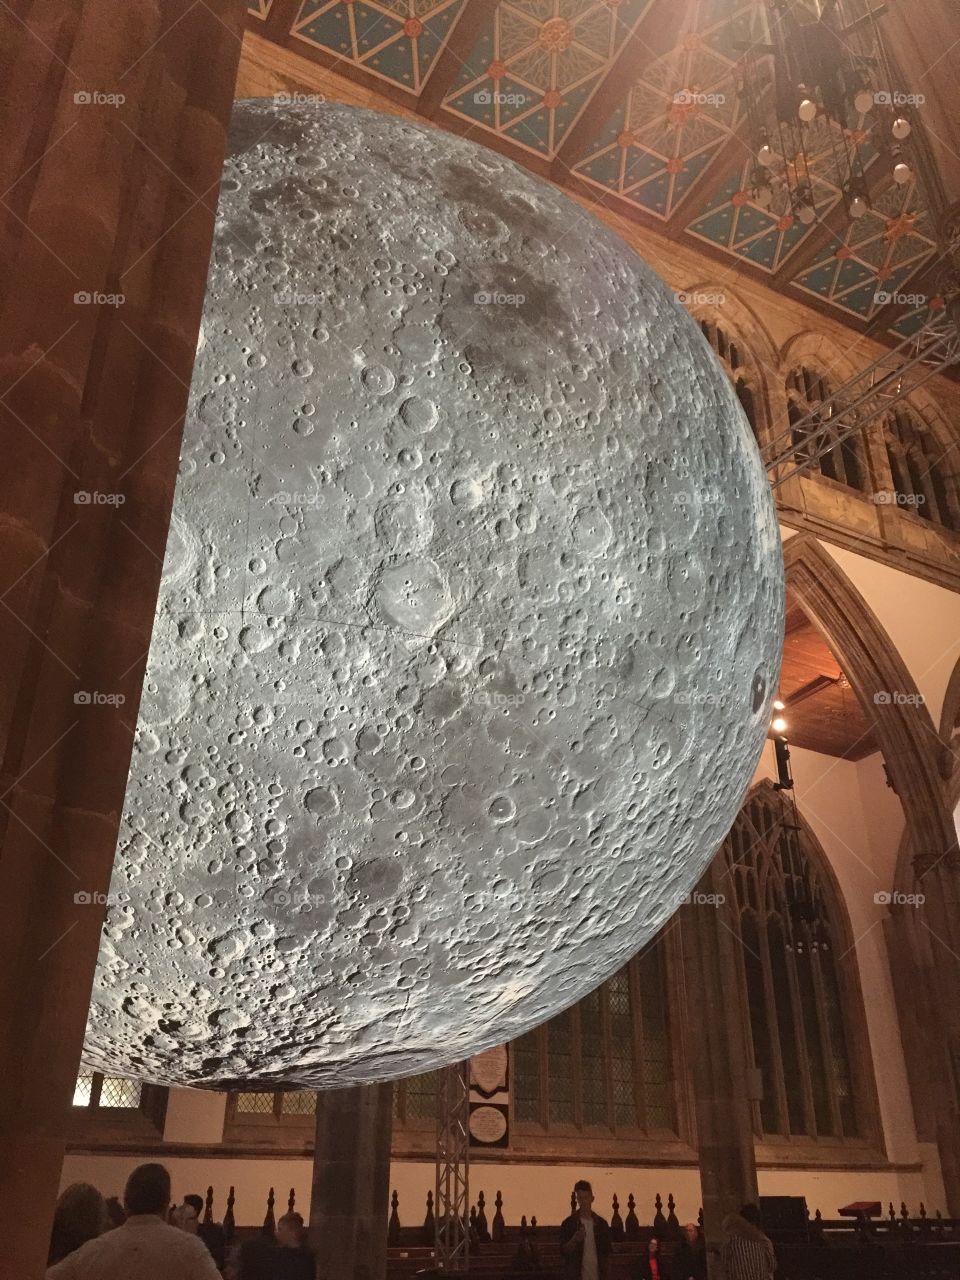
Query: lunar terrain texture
x,y
469,626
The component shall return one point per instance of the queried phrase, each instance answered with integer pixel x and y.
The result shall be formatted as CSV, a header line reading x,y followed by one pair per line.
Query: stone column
x,y
350,1201
113,125
728,1170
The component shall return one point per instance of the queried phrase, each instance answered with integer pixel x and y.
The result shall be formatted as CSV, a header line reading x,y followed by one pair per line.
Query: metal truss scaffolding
x,y
868,395
452,1207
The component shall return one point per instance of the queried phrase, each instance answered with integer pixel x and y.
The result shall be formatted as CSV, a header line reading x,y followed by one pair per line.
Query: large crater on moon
x,y
469,626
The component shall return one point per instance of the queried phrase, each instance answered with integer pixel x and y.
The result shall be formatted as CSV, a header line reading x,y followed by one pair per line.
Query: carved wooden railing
x,y
897,1227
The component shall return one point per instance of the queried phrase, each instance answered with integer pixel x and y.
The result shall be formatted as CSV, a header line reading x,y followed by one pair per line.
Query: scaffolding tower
x,y
452,1202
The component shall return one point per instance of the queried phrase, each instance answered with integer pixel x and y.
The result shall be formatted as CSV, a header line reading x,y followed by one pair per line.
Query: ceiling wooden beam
x,y
654,34
278,22
700,195
463,35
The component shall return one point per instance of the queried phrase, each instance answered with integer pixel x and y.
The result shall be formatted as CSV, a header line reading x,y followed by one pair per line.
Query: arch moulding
x,y
908,739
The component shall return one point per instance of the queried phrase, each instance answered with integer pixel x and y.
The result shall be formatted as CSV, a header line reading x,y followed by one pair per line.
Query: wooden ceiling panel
x,y
823,713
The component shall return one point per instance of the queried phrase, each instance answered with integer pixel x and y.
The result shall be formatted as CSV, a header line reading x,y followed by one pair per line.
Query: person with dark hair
x,y
146,1247
296,1260
746,1252
585,1243
80,1215
651,1265
188,1217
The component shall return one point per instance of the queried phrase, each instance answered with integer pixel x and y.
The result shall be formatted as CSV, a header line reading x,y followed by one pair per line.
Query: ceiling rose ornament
x,y
470,621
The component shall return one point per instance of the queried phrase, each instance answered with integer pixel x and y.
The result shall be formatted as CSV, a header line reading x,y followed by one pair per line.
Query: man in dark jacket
x,y
585,1243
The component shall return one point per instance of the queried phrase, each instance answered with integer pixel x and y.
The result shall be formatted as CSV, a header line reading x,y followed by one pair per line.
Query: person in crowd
x,y
526,1257
146,1247
651,1265
585,1243
80,1215
189,1217
186,1216
746,1251
296,1260
115,1213
691,1261
255,1259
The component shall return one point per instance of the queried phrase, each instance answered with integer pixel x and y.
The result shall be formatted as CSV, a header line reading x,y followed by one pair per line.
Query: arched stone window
x,y
845,462
730,356
920,479
604,1065
793,948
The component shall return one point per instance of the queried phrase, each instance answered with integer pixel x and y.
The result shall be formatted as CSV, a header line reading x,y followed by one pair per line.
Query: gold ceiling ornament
x,y
899,227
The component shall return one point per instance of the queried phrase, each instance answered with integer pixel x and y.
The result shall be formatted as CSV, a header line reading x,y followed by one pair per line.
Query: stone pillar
x,y
114,127
728,1170
350,1201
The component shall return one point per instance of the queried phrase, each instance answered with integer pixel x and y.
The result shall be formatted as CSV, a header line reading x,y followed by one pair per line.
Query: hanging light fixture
x,y
902,173
832,93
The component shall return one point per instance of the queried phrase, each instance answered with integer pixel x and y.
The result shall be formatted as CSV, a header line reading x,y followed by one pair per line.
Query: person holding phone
x,y
585,1243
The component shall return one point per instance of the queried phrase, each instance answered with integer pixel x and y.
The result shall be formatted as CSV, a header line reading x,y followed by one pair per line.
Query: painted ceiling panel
x,y
533,73
885,248
555,51
397,42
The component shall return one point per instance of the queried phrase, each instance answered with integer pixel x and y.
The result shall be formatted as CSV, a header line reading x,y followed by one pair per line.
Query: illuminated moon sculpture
x,y
469,625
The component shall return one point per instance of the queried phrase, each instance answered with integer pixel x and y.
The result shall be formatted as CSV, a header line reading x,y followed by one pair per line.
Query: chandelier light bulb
x,y
902,173
901,128
807,214
779,705
863,101
765,155
858,207
807,110
779,725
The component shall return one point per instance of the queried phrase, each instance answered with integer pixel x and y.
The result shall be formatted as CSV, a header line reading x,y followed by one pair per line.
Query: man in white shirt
x,y
146,1247
585,1239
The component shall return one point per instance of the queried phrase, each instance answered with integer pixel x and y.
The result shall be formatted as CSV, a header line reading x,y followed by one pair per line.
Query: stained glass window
x,y
99,1092
117,1092
420,1095
255,1104
301,1103
526,1077
788,913
607,1063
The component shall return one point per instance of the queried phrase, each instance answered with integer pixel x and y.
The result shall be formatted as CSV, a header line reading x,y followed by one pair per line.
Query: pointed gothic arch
x,y
804,1022
746,350
885,688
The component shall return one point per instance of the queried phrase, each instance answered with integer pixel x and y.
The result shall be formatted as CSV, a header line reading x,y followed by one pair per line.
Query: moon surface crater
x,y
468,631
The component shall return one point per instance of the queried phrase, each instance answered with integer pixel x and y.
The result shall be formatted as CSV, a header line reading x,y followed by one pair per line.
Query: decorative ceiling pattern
x,y
922,311
676,115
641,101
536,64
397,41
867,268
